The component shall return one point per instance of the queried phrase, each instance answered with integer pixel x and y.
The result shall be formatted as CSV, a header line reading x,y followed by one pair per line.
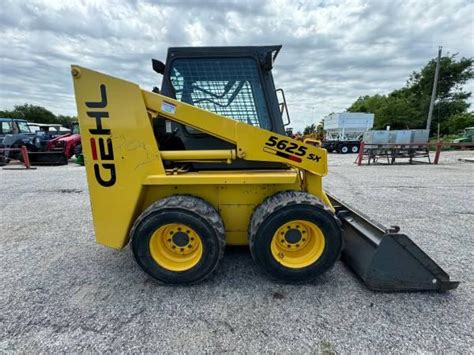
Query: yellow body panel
x,y
124,165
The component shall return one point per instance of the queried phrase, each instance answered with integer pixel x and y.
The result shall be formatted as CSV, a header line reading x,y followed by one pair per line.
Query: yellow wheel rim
x,y
297,244
176,247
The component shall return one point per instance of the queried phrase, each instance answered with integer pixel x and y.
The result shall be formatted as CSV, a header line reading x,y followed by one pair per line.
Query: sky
x,y
333,51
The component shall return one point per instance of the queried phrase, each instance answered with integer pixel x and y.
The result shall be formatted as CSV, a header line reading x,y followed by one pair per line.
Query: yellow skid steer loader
x,y
204,162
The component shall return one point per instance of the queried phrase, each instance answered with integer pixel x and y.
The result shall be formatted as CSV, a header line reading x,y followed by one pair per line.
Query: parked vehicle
x,y
57,148
44,133
14,133
55,129
467,137
344,131
66,142
178,214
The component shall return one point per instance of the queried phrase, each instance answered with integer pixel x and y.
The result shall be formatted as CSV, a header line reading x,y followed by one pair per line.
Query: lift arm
x,y
252,143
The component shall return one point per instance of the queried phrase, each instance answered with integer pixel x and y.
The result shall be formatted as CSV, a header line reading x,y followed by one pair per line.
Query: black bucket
x,y
48,158
385,259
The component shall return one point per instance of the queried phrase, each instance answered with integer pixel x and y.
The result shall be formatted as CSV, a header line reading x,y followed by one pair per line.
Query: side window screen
x,y
6,128
229,87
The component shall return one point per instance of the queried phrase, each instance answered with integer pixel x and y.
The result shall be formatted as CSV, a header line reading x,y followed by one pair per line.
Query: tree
x,y
408,107
458,122
309,129
66,121
37,114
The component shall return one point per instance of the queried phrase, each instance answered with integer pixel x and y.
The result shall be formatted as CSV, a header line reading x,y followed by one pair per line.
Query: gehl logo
x,y
105,167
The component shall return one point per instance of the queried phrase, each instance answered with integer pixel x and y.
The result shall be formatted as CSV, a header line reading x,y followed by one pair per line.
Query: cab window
x,y
229,87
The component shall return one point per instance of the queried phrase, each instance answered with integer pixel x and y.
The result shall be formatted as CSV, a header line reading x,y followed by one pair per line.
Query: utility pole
x,y
433,93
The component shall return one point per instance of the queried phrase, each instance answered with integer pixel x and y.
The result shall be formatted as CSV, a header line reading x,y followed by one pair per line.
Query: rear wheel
x,y
294,236
178,240
355,149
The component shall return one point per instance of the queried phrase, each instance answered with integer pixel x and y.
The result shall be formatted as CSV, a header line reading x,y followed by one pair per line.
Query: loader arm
x,y
252,143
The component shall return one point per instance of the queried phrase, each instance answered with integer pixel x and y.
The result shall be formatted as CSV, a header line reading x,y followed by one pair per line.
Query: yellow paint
x,y
225,177
140,178
190,155
172,255
300,253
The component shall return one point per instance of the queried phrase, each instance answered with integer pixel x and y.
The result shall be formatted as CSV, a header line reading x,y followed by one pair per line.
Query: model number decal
x,y
286,146
294,150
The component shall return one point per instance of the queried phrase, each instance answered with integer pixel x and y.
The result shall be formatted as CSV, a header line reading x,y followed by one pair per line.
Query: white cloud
x,y
333,51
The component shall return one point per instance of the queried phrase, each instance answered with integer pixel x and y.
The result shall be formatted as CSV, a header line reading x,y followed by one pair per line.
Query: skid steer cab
x,y
204,162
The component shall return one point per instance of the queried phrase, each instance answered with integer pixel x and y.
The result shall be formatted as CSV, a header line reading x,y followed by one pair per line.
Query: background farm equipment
x,y
52,148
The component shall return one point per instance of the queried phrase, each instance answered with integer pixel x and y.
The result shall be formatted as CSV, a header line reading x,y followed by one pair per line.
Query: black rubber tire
x,y
355,149
189,210
280,208
344,149
77,150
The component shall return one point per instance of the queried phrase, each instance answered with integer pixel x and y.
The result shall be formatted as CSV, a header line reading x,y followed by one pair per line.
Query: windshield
x,y
23,127
230,87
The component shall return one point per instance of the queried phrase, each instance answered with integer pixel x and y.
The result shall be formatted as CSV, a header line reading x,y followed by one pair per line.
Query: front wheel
x,y
294,236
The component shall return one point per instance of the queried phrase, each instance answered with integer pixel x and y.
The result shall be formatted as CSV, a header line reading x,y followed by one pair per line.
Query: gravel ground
x,y
59,291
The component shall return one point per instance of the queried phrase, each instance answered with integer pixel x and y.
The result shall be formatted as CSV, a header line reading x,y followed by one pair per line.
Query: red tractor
x,y
48,149
66,143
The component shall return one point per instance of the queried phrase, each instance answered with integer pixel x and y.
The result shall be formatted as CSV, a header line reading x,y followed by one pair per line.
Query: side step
x,y
385,259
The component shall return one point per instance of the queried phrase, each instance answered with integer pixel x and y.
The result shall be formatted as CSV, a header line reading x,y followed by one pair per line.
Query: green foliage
x,y
309,129
458,122
37,114
66,121
408,107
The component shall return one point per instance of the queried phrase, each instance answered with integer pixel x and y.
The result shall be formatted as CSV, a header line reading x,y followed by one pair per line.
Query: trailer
x,y
388,146
345,130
